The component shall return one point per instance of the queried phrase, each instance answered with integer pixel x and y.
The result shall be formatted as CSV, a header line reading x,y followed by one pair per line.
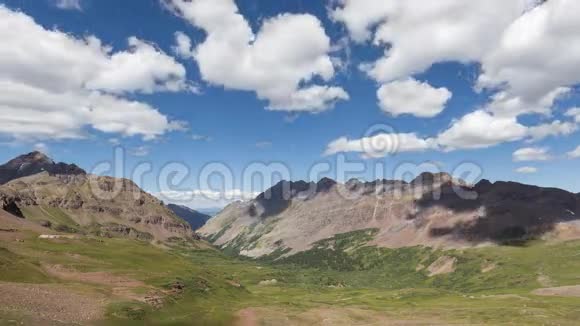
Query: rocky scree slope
x,y
67,199
433,210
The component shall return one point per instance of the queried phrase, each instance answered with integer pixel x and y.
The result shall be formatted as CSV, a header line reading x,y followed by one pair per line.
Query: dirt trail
x,y
51,304
322,316
102,278
121,286
562,291
246,317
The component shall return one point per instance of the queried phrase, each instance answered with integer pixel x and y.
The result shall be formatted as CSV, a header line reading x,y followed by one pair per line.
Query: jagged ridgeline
x,y
66,199
434,210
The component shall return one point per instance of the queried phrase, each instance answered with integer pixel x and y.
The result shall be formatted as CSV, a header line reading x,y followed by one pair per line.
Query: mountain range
x,y
433,210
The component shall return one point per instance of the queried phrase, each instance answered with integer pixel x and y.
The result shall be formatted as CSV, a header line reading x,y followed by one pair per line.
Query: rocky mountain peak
x,y
428,178
33,163
35,157
325,184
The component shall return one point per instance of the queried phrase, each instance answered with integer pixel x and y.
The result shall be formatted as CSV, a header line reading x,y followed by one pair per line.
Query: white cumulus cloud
x,y
574,113
528,51
142,68
140,151
381,145
528,154
183,47
278,62
68,4
56,86
538,52
552,129
412,97
527,170
204,198
417,33
481,129
574,153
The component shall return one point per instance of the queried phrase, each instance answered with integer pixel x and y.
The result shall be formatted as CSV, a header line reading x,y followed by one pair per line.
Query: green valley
x,y
342,278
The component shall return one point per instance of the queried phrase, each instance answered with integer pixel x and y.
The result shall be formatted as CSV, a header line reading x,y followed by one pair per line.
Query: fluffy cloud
x,y
55,86
62,62
141,68
34,113
531,154
505,104
199,199
202,138
574,153
360,16
481,129
527,170
574,113
555,128
381,145
418,33
527,49
68,4
314,98
183,47
41,147
538,53
140,151
412,97
279,62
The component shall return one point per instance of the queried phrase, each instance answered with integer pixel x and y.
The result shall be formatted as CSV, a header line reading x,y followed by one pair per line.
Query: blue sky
x,y
235,117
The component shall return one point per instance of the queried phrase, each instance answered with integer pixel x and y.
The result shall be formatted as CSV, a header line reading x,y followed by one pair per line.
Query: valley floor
x,y
117,281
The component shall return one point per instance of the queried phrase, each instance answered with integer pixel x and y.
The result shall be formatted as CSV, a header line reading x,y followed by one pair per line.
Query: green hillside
x,y
340,277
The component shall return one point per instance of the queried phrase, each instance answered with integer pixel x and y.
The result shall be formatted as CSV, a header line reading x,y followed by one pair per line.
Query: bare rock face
x,y
432,210
72,200
10,204
118,230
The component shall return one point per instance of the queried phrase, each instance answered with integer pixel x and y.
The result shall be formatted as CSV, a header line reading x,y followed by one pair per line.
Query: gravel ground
x,y
50,304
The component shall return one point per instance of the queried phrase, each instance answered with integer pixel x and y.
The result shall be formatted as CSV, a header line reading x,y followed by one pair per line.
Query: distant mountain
x,y
33,163
63,197
193,217
210,211
292,216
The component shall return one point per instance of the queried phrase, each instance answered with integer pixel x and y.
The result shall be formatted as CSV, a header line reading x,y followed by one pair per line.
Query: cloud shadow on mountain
x,y
508,212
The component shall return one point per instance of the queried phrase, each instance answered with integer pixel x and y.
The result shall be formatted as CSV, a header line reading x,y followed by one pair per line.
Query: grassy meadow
x,y
339,278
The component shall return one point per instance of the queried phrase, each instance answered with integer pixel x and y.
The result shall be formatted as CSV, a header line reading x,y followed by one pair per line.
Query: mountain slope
x,y
194,218
78,202
291,216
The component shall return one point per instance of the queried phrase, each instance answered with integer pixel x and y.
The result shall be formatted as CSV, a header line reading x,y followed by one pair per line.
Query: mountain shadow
x,y
507,212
